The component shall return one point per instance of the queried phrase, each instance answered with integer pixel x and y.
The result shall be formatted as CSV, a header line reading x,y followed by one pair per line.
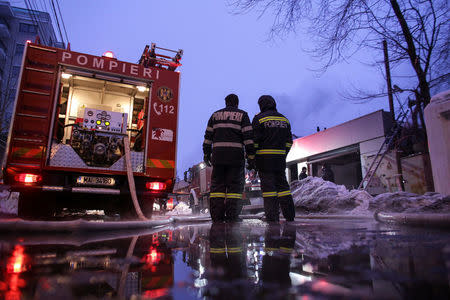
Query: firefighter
x,y
273,140
228,132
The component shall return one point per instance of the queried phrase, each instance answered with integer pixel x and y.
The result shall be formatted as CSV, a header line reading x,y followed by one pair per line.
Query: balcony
x,y
5,9
4,31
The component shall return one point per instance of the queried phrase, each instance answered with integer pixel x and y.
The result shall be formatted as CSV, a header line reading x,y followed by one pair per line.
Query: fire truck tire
x,y
35,205
25,205
126,209
146,204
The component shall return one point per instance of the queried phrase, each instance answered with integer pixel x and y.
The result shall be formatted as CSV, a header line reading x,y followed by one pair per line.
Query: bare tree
x,y
417,33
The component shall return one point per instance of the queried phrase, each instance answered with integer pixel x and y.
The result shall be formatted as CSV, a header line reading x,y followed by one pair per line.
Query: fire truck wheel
x,y
127,211
146,204
33,205
25,205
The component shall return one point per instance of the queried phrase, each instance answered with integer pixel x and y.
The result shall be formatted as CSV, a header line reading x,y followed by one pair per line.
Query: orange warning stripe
x,y
24,152
160,163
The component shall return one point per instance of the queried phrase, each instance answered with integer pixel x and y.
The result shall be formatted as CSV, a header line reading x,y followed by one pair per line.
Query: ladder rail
x,y
369,175
371,165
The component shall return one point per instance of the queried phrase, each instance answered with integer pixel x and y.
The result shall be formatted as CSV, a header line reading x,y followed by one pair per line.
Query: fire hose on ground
x,y
422,219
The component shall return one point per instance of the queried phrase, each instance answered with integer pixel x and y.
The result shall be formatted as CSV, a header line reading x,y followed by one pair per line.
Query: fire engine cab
x,y
72,113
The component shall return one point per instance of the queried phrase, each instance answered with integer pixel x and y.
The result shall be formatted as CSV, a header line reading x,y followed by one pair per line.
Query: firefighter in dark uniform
x,y
273,140
228,132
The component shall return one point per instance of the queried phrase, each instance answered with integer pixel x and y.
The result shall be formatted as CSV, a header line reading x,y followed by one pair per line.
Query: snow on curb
x,y
8,202
181,209
411,203
314,195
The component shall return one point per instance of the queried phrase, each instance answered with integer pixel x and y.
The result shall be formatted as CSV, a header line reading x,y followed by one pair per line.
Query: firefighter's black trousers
x,y
227,185
276,194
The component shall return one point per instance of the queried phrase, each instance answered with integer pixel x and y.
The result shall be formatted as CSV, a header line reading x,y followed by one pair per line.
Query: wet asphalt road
x,y
312,259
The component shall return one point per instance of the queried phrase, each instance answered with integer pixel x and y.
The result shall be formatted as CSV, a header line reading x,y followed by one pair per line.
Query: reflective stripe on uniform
x,y
234,249
227,125
288,145
271,151
248,142
234,195
273,118
247,128
286,250
270,194
227,144
208,142
256,145
217,250
209,129
217,195
270,249
284,193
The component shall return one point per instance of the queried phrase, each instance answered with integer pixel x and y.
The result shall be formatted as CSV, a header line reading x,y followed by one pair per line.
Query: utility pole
x,y
400,182
388,79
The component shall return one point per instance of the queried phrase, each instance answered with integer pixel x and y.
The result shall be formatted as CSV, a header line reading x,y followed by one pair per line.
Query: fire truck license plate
x,y
91,180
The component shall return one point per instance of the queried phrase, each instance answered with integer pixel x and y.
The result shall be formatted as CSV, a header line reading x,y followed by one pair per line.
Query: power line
x,y
33,16
62,20
57,21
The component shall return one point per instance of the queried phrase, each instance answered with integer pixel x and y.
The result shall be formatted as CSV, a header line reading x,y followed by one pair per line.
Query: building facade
x,y
17,26
346,148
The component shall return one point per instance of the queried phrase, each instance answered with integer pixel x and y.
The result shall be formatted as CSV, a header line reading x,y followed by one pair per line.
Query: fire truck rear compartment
x,y
93,117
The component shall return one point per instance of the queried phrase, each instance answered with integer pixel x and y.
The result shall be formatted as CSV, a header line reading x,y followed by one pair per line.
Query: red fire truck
x,y
72,115
199,179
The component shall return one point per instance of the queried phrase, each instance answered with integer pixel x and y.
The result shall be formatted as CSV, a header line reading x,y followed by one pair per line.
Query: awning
x,y
333,154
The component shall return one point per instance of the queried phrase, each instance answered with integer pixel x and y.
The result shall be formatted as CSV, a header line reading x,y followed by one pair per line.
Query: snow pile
x,y
8,202
313,194
411,203
181,209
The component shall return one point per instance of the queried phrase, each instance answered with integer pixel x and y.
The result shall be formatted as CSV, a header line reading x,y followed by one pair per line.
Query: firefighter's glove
x,y
207,159
251,164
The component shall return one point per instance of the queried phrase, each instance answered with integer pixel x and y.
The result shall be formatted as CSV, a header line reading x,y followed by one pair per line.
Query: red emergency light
x,y
109,54
155,185
27,178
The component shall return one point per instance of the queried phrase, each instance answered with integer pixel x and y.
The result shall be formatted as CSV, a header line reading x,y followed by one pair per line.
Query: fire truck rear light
x,y
28,178
155,185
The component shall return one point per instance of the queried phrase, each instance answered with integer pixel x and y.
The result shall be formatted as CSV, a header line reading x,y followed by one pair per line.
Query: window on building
x,y
28,28
19,49
12,94
15,71
3,46
4,22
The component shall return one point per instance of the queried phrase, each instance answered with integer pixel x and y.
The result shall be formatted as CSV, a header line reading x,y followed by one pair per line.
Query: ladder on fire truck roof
x,y
150,58
385,147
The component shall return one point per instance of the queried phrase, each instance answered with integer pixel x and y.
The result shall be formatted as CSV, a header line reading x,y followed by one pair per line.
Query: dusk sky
x,y
224,53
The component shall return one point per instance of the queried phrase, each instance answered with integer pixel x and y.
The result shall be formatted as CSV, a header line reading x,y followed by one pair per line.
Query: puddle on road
x,y
250,260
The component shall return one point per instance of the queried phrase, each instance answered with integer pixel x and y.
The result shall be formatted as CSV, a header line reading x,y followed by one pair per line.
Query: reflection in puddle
x,y
247,260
